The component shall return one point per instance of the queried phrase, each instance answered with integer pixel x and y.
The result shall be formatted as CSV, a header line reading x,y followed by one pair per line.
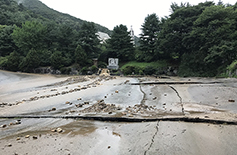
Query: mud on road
x,y
116,115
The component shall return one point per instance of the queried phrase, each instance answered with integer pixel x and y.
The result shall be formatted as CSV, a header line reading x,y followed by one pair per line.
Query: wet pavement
x,y
25,95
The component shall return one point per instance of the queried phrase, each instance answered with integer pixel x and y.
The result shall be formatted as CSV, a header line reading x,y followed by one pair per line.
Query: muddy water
x,y
86,137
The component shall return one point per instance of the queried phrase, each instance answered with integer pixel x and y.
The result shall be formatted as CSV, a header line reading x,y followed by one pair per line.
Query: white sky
x,y
110,13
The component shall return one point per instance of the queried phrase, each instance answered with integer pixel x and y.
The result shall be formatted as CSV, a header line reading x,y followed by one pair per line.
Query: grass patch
x,y
143,68
157,64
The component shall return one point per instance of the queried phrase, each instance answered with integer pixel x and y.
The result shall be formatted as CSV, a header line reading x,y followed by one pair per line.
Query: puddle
x,y
79,128
108,141
104,138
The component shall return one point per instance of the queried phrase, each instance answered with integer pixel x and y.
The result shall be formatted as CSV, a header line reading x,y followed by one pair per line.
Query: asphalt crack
x,y
180,98
153,138
144,95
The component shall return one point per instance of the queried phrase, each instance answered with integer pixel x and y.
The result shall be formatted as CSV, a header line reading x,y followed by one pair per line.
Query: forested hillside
x,y
39,8
13,14
43,37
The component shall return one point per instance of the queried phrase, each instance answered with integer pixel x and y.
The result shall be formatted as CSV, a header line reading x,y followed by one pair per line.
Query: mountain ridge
x,y
42,9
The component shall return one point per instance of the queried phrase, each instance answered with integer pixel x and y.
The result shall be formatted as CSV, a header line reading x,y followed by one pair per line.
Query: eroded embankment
x,y
127,119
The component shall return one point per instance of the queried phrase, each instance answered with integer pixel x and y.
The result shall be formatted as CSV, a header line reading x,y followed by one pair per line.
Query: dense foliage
x,y
120,44
89,40
41,9
150,30
199,40
42,37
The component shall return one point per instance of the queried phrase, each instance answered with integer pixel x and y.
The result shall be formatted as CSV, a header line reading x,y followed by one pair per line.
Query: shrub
x,y
102,65
65,70
233,66
149,70
84,70
94,69
128,70
13,61
3,62
138,70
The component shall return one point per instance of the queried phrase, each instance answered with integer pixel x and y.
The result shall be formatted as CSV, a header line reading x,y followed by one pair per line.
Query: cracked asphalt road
x,y
36,95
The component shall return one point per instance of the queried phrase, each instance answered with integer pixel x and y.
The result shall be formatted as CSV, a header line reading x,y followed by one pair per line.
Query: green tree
x,y
220,3
13,14
103,57
13,61
120,44
174,36
6,42
80,56
214,38
65,38
30,36
57,60
89,40
44,57
148,37
51,37
31,61
174,6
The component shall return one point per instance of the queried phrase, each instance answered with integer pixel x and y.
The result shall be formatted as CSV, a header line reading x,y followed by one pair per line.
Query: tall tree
x,y
57,60
120,44
31,61
89,40
44,57
148,37
220,3
30,36
80,56
173,38
174,6
51,38
65,38
6,42
213,38
13,61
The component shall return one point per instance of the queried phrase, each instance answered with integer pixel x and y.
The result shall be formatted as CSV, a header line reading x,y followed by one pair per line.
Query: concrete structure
x,y
113,63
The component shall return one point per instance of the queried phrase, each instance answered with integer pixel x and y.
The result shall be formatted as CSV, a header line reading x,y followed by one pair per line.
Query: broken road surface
x,y
116,115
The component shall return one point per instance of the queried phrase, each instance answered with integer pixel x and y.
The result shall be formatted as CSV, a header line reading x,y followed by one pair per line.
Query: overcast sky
x,y
110,13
